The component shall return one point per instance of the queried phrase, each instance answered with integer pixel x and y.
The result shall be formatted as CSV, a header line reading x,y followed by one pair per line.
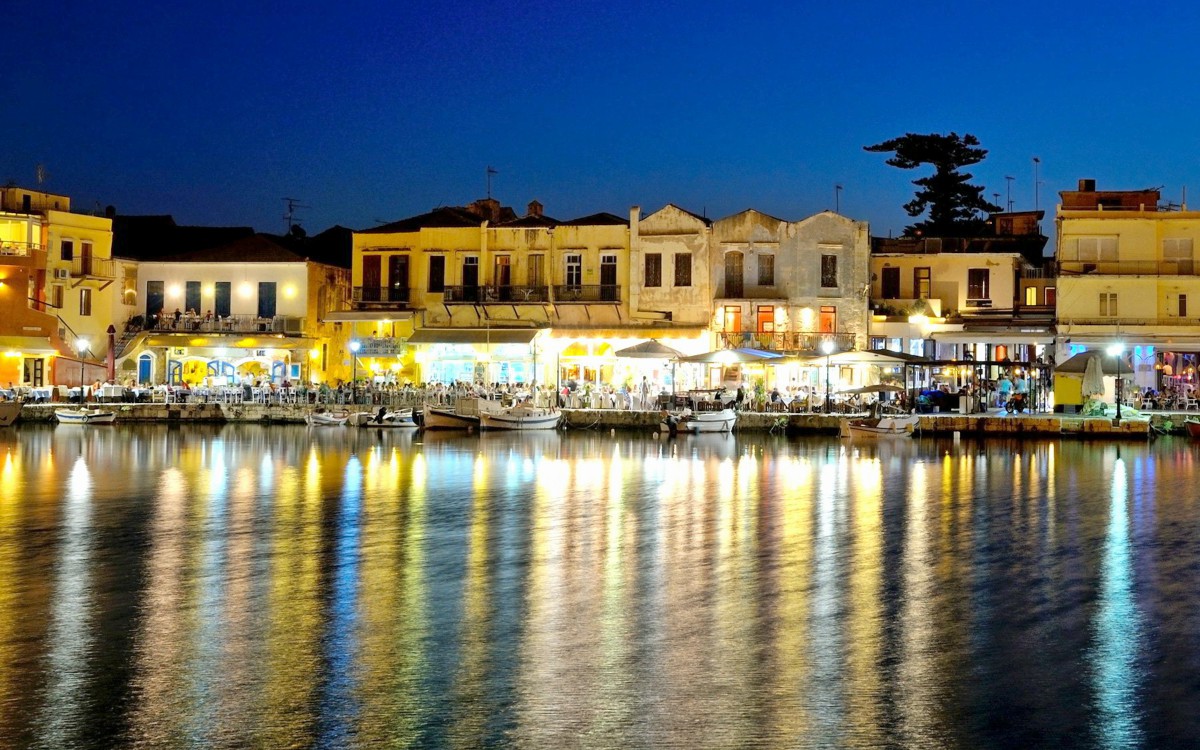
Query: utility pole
x,y
1009,194
837,199
490,172
1036,184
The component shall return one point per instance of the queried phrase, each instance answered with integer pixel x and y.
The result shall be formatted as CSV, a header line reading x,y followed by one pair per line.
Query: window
x,y
1183,305
1177,252
891,283
733,274
68,249
829,271
1108,304
222,293
1090,249
1051,297
978,283
191,297
765,318
437,273
266,299
922,286
828,320
732,319
766,270
683,269
56,296
653,276
1031,296
877,342
85,302
470,276
574,270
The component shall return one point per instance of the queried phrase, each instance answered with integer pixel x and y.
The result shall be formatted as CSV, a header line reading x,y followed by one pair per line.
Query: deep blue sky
x,y
370,111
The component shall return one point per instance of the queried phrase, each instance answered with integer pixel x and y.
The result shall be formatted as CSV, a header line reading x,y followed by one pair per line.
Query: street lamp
x,y
355,345
1116,350
827,347
81,345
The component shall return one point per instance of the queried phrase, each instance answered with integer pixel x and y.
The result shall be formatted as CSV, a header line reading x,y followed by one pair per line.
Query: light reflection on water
x,y
278,586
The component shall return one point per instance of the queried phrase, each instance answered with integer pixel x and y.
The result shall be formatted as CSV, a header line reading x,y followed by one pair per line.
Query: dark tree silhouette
x,y
955,206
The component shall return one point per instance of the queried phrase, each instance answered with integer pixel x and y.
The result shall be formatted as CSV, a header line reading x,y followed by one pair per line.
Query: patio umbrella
x,y
1093,378
731,356
879,388
650,349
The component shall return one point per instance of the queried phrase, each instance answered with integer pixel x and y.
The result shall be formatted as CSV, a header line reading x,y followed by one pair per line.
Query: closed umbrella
x,y
1093,378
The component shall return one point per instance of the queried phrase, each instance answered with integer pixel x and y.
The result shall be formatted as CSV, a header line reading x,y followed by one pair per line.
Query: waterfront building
x,y
1127,272
60,290
251,309
987,299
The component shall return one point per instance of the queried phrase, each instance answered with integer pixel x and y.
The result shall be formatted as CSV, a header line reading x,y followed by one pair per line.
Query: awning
x,y
994,337
473,336
27,344
359,316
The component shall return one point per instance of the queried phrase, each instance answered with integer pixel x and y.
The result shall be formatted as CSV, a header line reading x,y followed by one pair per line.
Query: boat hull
x,y
9,411
705,421
529,419
401,419
325,419
1193,428
437,418
886,427
84,416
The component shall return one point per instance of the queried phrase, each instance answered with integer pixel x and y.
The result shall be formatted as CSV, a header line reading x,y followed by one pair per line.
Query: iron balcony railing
x,y
585,293
387,295
168,322
750,291
495,294
93,268
1129,268
1127,322
781,341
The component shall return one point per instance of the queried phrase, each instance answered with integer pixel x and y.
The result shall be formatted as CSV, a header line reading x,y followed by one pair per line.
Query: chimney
x,y
1087,186
534,209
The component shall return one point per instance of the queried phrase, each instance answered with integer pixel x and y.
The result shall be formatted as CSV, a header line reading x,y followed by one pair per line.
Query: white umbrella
x,y
1093,378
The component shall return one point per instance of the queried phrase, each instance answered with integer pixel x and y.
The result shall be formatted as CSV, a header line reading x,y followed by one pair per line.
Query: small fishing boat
x,y
85,416
326,418
876,427
521,417
9,411
449,418
1193,427
722,420
384,418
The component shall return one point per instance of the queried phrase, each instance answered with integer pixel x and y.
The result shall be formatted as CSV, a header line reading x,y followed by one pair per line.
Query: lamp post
x,y
827,347
81,345
1116,350
355,345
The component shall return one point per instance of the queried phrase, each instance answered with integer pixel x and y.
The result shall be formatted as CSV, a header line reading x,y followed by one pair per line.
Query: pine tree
x,y
955,206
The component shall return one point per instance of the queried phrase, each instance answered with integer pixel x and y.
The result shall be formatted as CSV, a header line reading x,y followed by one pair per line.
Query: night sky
x,y
373,111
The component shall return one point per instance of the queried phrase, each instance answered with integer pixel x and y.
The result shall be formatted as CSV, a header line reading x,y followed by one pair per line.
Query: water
x,y
247,586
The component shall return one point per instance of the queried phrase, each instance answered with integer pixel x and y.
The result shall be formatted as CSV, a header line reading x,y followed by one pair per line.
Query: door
x,y
222,295
266,299
398,278
34,372
608,278
891,283
470,279
371,278
85,258
734,283
154,302
145,370
191,298
502,277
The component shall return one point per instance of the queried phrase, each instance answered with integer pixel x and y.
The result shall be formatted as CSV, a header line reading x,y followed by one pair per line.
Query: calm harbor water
x,y
248,586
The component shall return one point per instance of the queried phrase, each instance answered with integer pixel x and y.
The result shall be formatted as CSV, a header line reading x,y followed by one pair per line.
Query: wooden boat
x,y
521,417
85,416
384,419
326,418
9,411
449,418
876,427
700,421
1193,427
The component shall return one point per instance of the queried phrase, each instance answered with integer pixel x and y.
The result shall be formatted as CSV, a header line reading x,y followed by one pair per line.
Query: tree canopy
x,y
955,206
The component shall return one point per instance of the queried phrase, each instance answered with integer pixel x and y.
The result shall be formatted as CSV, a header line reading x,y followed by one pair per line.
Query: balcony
x,y
506,294
21,249
377,346
102,270
749,291
583,294
1130,323
167,323
1127,268
780,341
382,296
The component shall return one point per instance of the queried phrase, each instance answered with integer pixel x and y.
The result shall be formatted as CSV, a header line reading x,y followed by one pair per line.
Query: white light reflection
x,y
1115,644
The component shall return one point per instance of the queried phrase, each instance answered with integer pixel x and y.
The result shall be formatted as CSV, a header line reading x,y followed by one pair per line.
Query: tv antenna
x,y
290,214
1009,195
41,174
1036,184
490,172
837,199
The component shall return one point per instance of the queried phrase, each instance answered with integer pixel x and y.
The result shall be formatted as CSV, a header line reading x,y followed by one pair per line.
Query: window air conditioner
x,y
62,273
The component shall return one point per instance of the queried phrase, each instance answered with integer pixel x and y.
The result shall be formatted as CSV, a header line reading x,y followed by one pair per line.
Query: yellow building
x,y
478,294
60,293
1127,274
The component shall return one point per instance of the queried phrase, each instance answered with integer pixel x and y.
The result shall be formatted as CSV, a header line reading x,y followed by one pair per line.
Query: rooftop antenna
x,y
290,214
490,172
1009,194
41,174
1037,204
837,199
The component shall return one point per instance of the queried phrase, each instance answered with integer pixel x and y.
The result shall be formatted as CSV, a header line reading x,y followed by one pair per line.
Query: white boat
x,y
448,418
85,416
878,427
384,418
9,411
521,417
326,418
699,421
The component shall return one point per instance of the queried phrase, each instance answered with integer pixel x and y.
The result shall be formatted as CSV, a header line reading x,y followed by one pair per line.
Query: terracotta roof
x,y
532,221
597,220
153,237
445,217
258,248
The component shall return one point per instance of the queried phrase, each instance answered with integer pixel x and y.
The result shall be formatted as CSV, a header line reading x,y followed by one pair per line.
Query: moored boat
x,y
447,418
326,418
9,411
721,420
384,418
85,416
521,417
875,427
1193,427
